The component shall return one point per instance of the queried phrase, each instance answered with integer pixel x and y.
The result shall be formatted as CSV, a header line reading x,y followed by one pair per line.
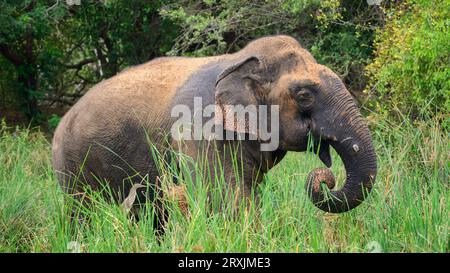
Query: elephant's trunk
x,y
350,137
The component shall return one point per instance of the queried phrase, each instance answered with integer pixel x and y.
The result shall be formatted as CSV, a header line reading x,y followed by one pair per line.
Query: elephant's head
x,y
312,101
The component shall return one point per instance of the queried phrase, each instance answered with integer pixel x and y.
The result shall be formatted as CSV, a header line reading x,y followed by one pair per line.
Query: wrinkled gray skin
x,y
105,130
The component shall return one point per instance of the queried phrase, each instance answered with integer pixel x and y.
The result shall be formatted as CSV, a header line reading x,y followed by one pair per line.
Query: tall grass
x,y
406,212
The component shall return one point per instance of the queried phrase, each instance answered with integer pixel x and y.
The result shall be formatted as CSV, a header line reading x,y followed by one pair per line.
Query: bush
x,y
410,72
216,27
338,33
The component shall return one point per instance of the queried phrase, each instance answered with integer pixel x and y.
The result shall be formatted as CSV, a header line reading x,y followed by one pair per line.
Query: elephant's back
x,y
143,92
152,84
114,111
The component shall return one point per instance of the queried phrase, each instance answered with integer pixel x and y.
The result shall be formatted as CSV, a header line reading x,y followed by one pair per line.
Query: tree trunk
x,y
28,85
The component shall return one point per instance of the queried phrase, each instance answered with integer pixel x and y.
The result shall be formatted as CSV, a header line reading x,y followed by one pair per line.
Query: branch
x,y
77,45
79,65
83,78
60,100
52,7
12,56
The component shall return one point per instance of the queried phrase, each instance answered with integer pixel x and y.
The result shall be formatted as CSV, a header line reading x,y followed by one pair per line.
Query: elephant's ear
x,y
236,95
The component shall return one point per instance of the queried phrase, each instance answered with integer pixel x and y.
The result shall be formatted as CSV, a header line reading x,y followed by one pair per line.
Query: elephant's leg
x,y
230,177
239,187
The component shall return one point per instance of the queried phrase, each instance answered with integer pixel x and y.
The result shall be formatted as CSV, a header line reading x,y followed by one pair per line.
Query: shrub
x,y
410,72
338,33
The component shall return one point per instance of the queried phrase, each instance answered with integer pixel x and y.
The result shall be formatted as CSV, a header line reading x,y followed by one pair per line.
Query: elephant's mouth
x,y
322,149
324,154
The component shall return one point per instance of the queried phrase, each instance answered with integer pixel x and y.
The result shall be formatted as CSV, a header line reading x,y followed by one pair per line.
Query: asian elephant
x,y
106,134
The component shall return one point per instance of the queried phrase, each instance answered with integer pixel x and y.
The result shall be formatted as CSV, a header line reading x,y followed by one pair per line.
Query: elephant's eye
x,y
304,98
304,94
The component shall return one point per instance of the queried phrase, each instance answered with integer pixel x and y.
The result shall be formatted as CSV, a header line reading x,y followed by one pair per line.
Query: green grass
x,y
406,212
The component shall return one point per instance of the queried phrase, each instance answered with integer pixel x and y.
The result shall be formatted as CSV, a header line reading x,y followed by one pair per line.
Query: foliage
x,y
8,86
53,121
219,26
344,39
58,51
411,72
26,25
125,32
338,33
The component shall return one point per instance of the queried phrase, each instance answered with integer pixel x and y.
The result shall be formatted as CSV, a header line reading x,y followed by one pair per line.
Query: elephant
x,y
105,135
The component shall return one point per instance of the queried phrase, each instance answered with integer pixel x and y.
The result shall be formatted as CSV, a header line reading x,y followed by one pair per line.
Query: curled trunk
x,y
353,143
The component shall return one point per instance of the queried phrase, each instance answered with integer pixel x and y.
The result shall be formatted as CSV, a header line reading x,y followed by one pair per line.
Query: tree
x,y
60,50
26,25
410,73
